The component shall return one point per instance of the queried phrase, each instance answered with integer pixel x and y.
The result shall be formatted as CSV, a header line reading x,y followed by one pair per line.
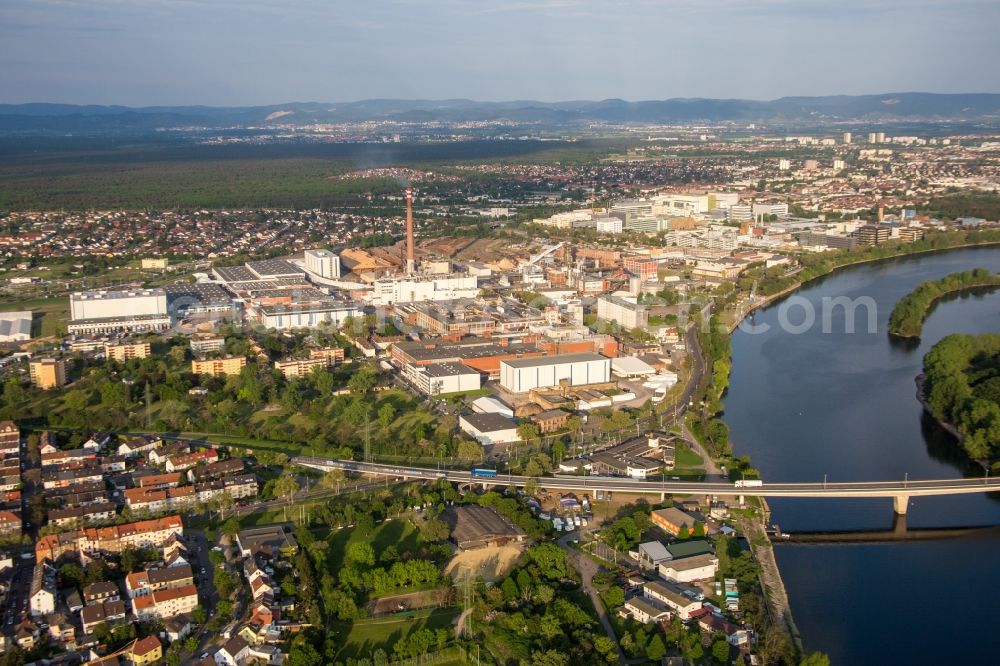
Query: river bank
x,y
818,403
772,584
763,302
922,398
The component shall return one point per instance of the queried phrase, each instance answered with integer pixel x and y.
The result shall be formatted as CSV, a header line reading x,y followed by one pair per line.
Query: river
x,y
804,405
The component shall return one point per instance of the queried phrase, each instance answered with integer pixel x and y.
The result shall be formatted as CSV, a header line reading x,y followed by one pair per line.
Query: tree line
x,y
907,318
962,388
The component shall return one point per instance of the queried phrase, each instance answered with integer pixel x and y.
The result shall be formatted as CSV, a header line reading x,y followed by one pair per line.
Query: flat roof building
x,y
322,263
489,428
47,373
524,374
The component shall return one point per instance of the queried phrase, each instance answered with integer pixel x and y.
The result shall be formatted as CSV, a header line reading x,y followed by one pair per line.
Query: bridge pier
x,y
900,503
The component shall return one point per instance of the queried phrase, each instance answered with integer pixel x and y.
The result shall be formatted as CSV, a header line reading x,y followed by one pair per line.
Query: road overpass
x,y
899,491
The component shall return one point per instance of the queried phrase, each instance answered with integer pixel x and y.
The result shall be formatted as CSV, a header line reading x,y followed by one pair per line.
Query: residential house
x,y
689,569
672,598
165,603
674,521
107,612
97,593
645,611
233,653
42,594
146,651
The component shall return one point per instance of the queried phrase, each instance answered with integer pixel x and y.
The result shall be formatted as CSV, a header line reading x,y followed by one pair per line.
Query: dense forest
x,y
962,387
971,203
908,316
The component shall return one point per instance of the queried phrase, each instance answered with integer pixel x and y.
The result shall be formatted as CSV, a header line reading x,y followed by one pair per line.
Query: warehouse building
x,y
523,375
476,526
393,290
185,299
268,269
15,326
96,312
489,429
102,304
306,315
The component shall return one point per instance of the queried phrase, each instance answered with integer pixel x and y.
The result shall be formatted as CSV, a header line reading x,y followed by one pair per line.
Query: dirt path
x,y
587,568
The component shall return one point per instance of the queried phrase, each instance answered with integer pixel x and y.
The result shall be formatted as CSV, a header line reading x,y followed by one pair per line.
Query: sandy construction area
x,y
490,563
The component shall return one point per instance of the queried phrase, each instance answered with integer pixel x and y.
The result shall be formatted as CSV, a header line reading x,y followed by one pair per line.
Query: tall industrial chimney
x,y
410,263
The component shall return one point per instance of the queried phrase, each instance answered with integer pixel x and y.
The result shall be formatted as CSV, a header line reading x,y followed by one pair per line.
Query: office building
x,y
873,234
439,378
47,373
847,137
608,225
632,208
625,311
646,224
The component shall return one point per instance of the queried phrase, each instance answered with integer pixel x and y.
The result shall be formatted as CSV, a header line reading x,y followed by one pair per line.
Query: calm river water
x,y
805,405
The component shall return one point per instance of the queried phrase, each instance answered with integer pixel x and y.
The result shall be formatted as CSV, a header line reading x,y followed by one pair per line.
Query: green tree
x,y
720,651
286,487
815,659
434,530
656,650
361,553
469,450
527,431
362,381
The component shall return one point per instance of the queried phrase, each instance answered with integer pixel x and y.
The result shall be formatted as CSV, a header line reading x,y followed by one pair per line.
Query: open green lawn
x,y
365,636
399,533
685,457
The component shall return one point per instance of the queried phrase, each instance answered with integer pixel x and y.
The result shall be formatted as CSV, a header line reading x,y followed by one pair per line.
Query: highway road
x,y
900,490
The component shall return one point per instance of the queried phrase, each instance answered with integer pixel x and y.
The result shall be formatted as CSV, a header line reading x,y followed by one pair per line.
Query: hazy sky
x,y
222,52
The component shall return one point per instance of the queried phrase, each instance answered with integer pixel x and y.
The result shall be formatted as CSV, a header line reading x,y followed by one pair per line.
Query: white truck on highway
x,y
749,483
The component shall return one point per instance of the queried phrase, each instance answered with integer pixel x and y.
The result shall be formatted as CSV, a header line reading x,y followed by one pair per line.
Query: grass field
x,y
50,314
399,533
686,458
365,636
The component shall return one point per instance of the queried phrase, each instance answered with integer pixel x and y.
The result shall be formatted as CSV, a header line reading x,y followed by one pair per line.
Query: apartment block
x,y
124,352
47,373
230,365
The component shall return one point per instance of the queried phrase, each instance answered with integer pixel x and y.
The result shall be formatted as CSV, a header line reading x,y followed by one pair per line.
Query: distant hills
x,y
889,107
